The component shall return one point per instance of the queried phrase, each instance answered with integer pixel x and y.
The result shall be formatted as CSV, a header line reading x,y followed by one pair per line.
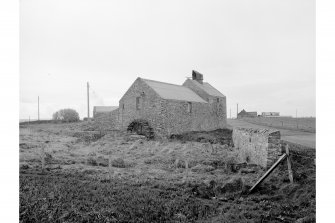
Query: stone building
x,y
245,114
103,111
270,114
167,109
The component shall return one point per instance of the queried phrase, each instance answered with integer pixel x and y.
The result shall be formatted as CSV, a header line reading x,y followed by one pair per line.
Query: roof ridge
x,y
208,91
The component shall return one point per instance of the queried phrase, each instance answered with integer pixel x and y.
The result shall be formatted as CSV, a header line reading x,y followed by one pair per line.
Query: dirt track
x,y
298,137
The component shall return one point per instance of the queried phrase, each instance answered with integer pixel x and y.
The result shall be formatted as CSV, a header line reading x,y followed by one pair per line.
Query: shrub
x,y
66,115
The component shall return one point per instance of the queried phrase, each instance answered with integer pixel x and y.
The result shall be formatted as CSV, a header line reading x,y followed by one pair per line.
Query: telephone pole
x,y
38,108
296,113
88,101
237,111
296,117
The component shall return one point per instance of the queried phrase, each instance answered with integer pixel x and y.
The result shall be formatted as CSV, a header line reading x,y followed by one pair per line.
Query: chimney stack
x,y
197,76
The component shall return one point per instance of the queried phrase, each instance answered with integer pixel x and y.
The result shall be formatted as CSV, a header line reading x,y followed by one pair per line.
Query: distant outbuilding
x,y
270,114
99,111
245,114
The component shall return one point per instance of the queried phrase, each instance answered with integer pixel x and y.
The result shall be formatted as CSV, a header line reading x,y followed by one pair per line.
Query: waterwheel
x,y
141,127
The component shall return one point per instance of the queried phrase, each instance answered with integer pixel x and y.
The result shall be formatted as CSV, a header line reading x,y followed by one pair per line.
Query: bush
x,y
66,115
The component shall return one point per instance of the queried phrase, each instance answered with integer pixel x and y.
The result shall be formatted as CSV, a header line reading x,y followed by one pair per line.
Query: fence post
x,y
110,171
185,178
289,165
42,158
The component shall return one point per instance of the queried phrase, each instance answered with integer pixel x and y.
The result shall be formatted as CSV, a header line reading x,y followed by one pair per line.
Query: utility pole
x,y
296,117
38,108
88,101
237,111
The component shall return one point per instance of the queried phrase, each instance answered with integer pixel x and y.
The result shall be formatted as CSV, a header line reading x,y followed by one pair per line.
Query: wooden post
x,y
290,173
110,171
185,178
42,158
268,172
289,165
213,148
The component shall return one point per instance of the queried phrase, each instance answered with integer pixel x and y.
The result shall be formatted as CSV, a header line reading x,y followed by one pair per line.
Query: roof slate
x,y
173,91
209,89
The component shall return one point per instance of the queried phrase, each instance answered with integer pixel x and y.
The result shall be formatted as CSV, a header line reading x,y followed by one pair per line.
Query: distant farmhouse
x,y
270,114
244,114
103,111
161,109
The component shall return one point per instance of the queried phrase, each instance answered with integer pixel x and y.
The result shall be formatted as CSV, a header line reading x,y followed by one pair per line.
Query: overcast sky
x,y
259,53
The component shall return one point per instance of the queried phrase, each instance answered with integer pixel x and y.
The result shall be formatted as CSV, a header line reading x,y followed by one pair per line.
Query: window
x,y
189,107
143,96
137,103
122,106
218,100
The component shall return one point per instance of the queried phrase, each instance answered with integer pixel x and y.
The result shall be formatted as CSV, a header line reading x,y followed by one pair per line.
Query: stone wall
x,y
101,115
149,106
177,119
257,146
219,108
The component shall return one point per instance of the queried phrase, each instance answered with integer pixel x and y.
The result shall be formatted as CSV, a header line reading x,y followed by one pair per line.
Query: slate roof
x,y
209,89
104,108
173,91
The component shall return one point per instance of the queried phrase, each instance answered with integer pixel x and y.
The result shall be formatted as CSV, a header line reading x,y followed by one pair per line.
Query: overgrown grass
x,y
60,197
69,198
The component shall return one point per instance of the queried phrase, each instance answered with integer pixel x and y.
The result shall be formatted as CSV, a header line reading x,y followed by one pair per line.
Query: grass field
x,y
301,124
95,175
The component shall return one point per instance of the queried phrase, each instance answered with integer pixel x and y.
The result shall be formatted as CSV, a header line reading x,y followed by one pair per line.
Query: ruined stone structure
x,y
171,109
257,146
245,114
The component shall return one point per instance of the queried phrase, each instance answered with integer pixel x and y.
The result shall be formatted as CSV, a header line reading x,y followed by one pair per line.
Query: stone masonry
x,y
257,146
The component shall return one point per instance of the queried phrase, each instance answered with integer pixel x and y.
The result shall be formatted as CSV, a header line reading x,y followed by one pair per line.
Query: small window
x,y
143,98
189,107
137,103
122,106
218,100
